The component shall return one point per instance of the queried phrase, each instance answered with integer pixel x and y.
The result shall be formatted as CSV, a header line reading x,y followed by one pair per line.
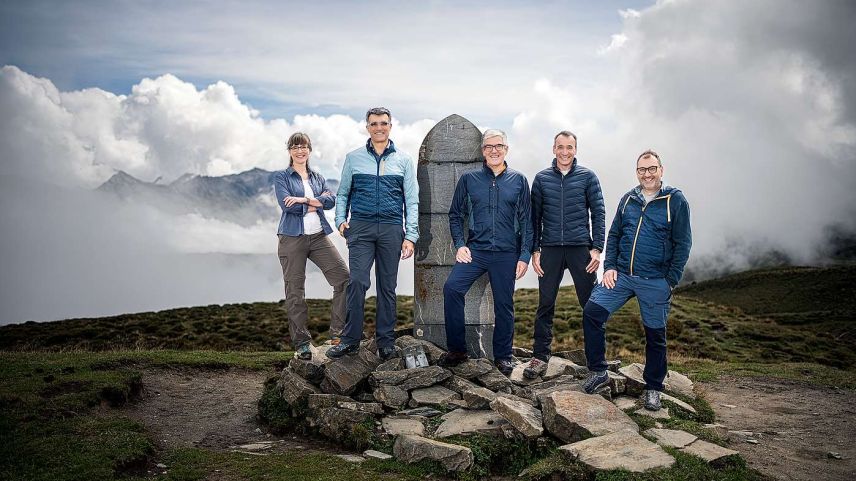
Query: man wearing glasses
x,y
563,197
494,202
646,251
379,187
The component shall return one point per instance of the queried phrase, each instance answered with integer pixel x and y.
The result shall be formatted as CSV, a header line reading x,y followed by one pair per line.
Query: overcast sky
x,y
750,104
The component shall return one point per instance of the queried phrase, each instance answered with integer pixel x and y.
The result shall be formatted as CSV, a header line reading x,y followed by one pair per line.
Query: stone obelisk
x,y
451,148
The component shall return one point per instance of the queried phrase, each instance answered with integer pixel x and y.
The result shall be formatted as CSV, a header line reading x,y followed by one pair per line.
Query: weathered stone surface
x,y
518,378
465,421
473,368
671,438
613,365
351,458
516,398
459,384
428,297
311,370
561,383
712,453
521,352
364,397
409,379
523,392
478,397
577,356
621,450
401,425
394,364
343,375
431,351
624,402
453,139
371,408
411,449
391,396
558,366
423,411
677,402
572,416
437,248
433,396
478,338
662,413
617,383
524,417
339,424
675,381
318,401
495,381
295,389
371,453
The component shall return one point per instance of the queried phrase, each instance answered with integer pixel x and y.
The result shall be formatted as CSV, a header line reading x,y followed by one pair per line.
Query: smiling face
x,y
564,148
650,181
378,127
299,154
494,151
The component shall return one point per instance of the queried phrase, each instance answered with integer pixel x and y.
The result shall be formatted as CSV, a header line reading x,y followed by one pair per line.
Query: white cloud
x,y
616,42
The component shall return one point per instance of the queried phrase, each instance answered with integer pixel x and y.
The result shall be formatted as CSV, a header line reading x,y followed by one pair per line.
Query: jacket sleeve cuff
x,y
525,257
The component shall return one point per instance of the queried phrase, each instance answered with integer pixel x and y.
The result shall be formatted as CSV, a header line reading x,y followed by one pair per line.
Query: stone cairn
x,y
359,398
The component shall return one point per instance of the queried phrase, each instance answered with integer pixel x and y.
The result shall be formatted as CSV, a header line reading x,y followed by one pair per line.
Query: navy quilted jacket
x,y
561,206
651,240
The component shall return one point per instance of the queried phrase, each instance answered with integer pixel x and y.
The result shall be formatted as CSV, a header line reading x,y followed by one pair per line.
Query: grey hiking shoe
x,y
595,381
303,351
652,400
535,368
342,349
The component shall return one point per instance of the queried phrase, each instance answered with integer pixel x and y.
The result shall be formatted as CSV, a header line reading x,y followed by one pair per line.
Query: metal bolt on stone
x,y
449,150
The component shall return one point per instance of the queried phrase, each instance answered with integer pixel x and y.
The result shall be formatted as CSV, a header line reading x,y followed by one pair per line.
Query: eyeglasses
x,y
650,170
497,147
299,147
382,124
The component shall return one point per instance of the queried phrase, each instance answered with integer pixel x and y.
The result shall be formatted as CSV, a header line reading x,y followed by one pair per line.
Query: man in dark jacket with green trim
x,y
646,251
569,224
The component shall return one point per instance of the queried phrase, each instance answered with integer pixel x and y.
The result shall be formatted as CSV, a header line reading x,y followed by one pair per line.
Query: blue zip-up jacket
x,y
497,212
379,188
561,205
651,240
289,183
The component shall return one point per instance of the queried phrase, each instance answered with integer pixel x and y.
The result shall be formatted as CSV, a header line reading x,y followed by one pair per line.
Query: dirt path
x,y
795,424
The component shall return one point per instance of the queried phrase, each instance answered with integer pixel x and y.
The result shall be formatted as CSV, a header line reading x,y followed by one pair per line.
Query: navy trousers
x,y
379,244
501,269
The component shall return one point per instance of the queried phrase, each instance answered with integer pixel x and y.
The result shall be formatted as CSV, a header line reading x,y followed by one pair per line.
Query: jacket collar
x,y
390,148
490,172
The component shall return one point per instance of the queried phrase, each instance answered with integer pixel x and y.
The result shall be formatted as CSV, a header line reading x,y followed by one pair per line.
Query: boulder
x,y
478,397
624,402
411,449
617,383
671,438
524,417
495,381
577,356
558,366
371,408
372,454
433,396
295,389
423,411
473,368
519,379
677,402
311,370
391,396
572,416
318,401
339,424
343,375
674,382
620,450
712,453
432,352
401,425
409,379
394,364
459,384
466,421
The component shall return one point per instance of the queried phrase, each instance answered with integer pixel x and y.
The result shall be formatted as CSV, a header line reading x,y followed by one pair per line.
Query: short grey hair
x,y
565,133
378,111
494,133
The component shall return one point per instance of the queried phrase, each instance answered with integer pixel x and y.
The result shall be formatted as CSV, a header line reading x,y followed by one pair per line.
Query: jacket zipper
x,y
639,225
562,209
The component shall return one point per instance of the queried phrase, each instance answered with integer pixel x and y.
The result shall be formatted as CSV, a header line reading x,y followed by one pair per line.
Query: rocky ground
x,y
216,409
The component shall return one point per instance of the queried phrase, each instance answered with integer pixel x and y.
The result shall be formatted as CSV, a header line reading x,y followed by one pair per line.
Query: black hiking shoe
x,y
341,349
452,359
595,381
505,366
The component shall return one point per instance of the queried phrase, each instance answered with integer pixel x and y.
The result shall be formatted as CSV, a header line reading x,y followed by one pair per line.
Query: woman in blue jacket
x,y
303,195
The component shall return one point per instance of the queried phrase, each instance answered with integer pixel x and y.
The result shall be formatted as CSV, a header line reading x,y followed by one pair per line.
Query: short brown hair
x,y
298,138
649,153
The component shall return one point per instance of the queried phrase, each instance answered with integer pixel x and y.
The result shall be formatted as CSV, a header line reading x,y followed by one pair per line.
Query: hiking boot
x,y
303,351
652,400
452,359
505,366
535,368
595,381
341,349
386,353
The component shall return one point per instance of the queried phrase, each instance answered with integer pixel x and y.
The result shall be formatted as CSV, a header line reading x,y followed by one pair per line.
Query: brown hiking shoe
x,y
535,368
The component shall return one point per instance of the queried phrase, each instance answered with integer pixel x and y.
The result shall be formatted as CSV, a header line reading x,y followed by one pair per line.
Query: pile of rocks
x,y
357,398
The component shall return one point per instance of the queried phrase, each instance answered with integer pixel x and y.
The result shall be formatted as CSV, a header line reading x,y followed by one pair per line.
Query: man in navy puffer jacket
x,y
646,251
563,198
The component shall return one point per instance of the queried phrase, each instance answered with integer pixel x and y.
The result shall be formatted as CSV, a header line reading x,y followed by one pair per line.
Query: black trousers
x,y
554,261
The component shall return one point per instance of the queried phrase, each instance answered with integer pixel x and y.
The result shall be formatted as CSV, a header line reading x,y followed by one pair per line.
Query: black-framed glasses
x,y
382,124
497,147
299,147
650,170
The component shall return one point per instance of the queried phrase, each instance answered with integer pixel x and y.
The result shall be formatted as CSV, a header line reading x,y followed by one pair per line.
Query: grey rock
x,y
371,408
433,396
401,425
371,453
394,364
495,381
409,379
478,338
465,421
662,413
561,383
577,356
516,398
674,382
391,396
624,402
473,368
339,424
478,397
423,411
572,416
364,397
558,366
311,370
712,453
519,379
351,458
613,365
671,438
343,375
617,383
318,401
677,402
411,449
459,384
295,389
431,350
524,417
620,450
521,352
